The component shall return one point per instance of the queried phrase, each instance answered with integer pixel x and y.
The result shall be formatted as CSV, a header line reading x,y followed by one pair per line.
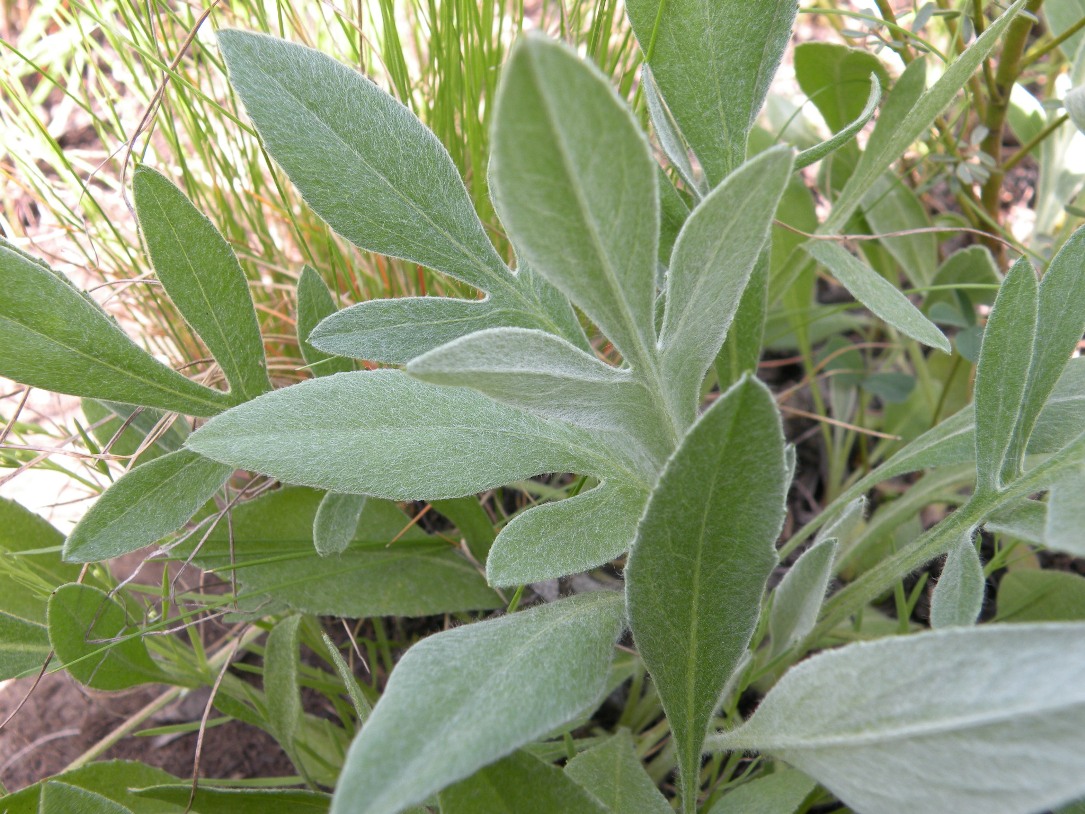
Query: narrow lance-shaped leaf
x,y
909,128
877,293
380,178
466,697
845,134
741,351
958,595
58,339
713,61
145,505
520,782
614,775
200,273
575,186
382,433
705,548
1002,376
281,685
669,134
62,797
315,303
711,264
798,597
336,522
898,725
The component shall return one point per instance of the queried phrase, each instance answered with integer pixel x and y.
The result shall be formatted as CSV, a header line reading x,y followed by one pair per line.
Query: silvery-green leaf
x,y
898,724
837,79
781,792
673,212
845,134
1075,106
200,273
1002,377
615,776
361,704
361,160
669,134
742,348
713,61
920,117
58,797
575,185
1026,521
704,550
382,433
463,698
799,595
899,102
145,505
543,374
567,537
315,303
1065,527
112,778
58,339
336,522
877,293
845,526
711,264
520,782
893,208
268,547
284,713
958,595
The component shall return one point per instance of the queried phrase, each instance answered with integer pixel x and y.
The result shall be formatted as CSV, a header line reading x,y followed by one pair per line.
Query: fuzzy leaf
x,y
877,293
281,656
315,303
614,775
273,557
24,644
57,797
711,265
91,635
1041,596
472,521
958,595
520,782
705,548
898,725
112,779
56,338
145,505
1065,527
909,128
575,186
799,595
669,133
566,537
382,433
781,792
336,522
845,134
1002,377
239,801
463,698
835,78
200,273
713,61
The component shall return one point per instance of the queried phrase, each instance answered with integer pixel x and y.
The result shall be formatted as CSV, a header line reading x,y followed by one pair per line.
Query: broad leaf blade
x,y
798,597
58,339
361,160
336,522
713,61
466,697
112,779
92,636
269,546
614,775
315,303
1041,596
575,186
877,293
958,595
145,505
56,797
779,793
717,510
200,273
1002,377
520,782
1065,527
382,433
712,261
567,537
897,724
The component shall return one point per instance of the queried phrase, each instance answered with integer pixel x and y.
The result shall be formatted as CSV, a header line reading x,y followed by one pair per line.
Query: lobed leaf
x,y
58,339
704,550
466,697
575,185
145,505
200,273
980,720
382,433
713,61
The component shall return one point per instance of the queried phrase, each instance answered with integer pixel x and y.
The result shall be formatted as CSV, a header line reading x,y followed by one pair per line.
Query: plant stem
x,y
1031,144
1041,51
